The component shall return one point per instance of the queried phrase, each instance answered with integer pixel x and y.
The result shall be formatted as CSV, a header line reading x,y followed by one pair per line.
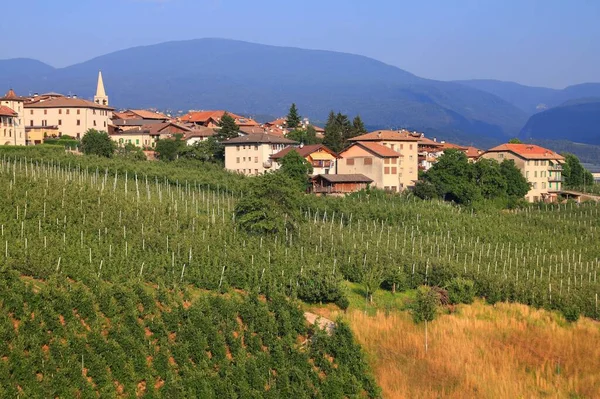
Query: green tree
x,y
358,127
333,133
488,176
574,173
452,176
345,127
130,151
306,136
372,278
97,143
424,308
271,206
515,140
208,150
294,166
228,129
168,149
293,119
516,184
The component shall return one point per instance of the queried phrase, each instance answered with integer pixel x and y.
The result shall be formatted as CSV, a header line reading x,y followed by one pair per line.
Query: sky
x,y
550,43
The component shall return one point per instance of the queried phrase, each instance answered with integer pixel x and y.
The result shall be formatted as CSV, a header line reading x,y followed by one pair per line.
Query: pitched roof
x,y
277,122
157,128
450,146
428,142
377,149
473,152
205,116
200,132
385,135
66,102
349,178
6,111
304,151
135,122
252,129
12,96
527,151
145,114
260,138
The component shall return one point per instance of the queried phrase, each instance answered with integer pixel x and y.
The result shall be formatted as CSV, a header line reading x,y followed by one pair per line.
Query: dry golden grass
x,y
506,351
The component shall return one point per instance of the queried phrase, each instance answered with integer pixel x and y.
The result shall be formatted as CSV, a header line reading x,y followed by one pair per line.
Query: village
x,y
385,159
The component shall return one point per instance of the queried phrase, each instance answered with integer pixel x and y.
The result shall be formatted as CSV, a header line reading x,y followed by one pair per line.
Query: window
x,y
104,123
543,185
237,160
59,122
137,141
94,123
394,170
238,147
534,186
368,161
68,111
30,123
535,173
256,171
244,147
500,156
30,112
44,123
255,148
386,170
393,146
78,111
45,112
350,161
255,159
386,161
401,146
78,122
411,147
60,111
94,112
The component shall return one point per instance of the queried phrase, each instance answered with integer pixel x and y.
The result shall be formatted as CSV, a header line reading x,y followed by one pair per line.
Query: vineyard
x,y
126,238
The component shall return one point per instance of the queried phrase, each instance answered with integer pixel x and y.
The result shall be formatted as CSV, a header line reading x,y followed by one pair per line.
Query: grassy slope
x,y
501,351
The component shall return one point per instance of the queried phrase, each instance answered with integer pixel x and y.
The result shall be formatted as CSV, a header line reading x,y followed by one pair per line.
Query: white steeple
x,y
100,97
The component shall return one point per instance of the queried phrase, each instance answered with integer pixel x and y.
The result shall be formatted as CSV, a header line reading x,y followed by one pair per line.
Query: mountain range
x,y
250,79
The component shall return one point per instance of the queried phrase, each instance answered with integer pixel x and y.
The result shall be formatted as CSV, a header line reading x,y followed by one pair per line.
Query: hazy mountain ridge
x,y
253,78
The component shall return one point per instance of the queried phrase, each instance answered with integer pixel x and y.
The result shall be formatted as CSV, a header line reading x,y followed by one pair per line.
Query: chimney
x,y
74,95
435,139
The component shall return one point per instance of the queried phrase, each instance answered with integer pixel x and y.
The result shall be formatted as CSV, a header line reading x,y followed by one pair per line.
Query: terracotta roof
x,y
261,138
527,151
65,102
473,152
145,114
205,116
252,129
277,122
134,122
450,146
157,128
349,178
318,129
6,111
378,149
304,151
11,96
200,132
428,142
385,135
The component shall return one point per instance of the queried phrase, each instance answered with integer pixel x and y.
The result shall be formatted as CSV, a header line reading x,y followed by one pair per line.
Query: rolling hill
x,y
252,78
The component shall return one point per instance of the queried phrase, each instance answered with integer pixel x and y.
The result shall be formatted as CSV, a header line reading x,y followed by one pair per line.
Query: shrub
x,y
460,290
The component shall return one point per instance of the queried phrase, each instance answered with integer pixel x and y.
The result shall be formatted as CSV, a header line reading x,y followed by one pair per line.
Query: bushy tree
x,y
228,129
209,150
271,206
517,185
306,136
98,143
424,307
168,149
574,173
130,151
452,177
515,140
293,119
294,166
460,290
487,174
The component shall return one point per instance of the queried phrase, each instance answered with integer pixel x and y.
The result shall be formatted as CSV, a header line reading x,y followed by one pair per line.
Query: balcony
x,y
555,167
555,179
322,164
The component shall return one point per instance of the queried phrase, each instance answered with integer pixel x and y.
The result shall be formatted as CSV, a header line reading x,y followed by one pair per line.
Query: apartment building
x,y
401,174
12,113
251,154
376,161
322,159
541,167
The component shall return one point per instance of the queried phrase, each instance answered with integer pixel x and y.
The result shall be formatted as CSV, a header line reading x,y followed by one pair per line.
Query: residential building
x,y
541,167
473,153
402,143
251,154
322,159
429,151
339,184
198,134
13,116
146,136
376,161
213,119
141,114
37,134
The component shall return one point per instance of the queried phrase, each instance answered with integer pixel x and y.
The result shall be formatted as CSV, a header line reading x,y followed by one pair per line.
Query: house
x,y
473,153
541,167
322,159
213,119
146,136
395,169
339,184
73,116
141,114
198,134
376,161
251,154
37,134
429,151
12,114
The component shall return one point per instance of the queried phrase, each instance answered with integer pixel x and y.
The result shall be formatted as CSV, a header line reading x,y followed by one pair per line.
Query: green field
x,y
101,237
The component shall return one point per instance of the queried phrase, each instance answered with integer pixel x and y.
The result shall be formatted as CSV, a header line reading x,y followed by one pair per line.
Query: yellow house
x,y
376,161
541,167
251,154
403,143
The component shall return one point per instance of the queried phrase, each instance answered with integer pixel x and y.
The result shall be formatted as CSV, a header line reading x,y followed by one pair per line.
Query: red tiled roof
x,y
527,151
205,116
66,102
145,114
378,149
6,111
157,128
200,132
428,142
450,146
304,151
252,130
277,122
473,152
11,95
385,135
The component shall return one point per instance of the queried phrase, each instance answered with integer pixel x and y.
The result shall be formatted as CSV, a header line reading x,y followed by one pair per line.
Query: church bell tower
x,y
100,98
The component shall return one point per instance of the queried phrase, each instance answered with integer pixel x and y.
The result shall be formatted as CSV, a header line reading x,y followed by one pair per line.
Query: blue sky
x,y
552,43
